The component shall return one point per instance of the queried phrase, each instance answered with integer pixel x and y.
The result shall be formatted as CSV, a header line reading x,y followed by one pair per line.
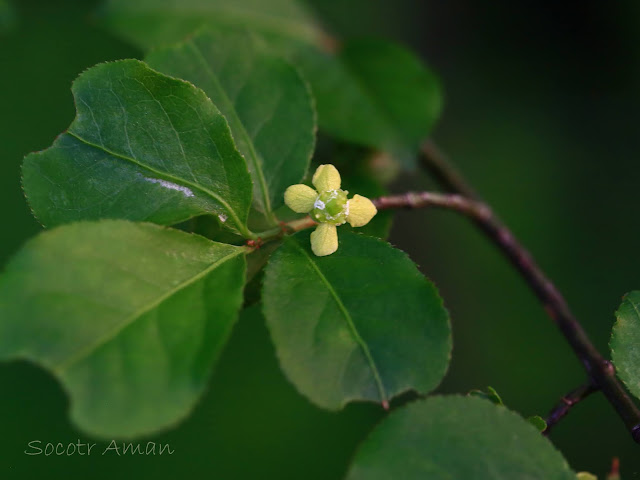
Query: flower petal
x,y
361,211
326,178
300,198
324,240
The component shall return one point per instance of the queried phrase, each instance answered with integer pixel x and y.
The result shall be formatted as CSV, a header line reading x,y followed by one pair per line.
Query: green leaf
x,y
447,437
625,342
143,146
152,23
374,93
264,99
129,317
538,422
490,395
360,324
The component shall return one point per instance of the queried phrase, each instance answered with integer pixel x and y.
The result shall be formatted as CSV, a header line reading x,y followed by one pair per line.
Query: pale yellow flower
x,y
328,205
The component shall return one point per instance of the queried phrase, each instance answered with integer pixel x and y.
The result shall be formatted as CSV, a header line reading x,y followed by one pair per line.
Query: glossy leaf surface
x,y
144,147
264,99
360,324
129,317
447,437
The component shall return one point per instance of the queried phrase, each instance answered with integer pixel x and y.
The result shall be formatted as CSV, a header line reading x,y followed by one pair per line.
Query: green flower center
x,y
331,207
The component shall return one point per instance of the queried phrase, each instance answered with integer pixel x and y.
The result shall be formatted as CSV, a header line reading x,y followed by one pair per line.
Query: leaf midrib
x,y
131,319
179,181
352,327
241,130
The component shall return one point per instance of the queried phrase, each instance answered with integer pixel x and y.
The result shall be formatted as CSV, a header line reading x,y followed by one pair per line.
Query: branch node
x,y
609,368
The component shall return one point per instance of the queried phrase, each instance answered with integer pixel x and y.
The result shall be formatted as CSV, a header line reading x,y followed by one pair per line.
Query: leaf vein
x,y
179,181
354,331
240,129
87,351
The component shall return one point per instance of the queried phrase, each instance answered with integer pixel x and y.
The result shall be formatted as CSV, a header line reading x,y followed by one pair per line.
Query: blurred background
x,y
541,114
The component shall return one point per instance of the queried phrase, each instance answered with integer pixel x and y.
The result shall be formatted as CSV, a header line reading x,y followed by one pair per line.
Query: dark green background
x,y
542,116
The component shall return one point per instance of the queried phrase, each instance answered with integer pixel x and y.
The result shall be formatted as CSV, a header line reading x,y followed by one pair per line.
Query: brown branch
x,y
601,372
566,403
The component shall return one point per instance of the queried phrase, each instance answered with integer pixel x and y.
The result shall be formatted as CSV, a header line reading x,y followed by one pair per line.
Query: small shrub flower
x,y
329,206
